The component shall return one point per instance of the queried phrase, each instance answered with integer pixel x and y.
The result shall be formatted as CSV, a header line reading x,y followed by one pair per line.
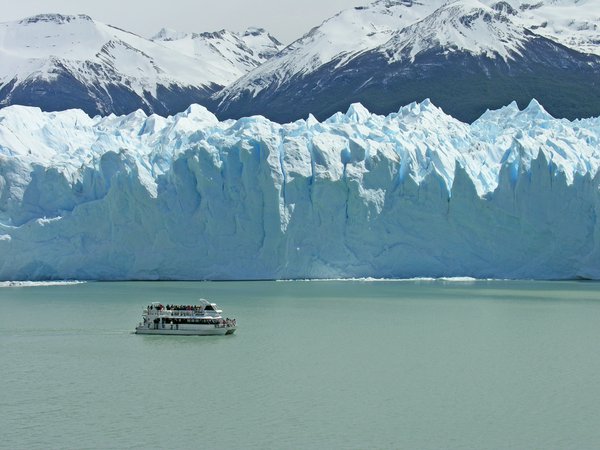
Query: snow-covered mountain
x,y
573,23
467,55
58,62
466,26
414,193
235,53
339,39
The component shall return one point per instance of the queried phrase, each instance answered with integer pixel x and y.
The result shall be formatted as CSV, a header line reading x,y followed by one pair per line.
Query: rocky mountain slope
x,y
59,62
466,55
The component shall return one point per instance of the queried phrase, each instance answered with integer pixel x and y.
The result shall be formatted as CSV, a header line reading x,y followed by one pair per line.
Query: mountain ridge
x,y
72,61
466,55
449,37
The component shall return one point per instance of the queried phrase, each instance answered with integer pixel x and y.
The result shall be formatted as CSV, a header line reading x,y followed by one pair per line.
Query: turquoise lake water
x,y
313,365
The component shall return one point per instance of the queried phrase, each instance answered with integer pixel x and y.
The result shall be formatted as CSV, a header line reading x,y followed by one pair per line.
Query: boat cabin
x,y
203,308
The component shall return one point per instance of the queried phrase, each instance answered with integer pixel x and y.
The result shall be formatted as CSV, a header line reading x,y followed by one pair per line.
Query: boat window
x,y
209,308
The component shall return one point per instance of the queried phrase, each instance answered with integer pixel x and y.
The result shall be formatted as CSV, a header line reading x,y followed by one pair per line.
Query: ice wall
x,y
416,193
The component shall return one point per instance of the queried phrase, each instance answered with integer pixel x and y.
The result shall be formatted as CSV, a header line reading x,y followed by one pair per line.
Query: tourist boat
x,y
201,319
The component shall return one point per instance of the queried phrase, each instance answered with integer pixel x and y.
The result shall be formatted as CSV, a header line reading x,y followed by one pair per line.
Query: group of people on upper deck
x,y
175,308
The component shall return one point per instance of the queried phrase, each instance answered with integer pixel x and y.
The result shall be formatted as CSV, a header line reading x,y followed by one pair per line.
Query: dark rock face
x,y
566,82
65,91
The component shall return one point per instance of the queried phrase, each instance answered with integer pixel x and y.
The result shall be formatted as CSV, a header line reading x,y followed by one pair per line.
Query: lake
x,y
313,365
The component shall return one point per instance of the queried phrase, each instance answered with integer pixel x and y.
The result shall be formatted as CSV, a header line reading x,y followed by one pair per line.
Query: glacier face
x,y
415,193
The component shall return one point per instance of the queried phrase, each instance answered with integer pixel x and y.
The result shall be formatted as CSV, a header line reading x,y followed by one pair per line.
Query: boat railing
x,y
217,322
176,313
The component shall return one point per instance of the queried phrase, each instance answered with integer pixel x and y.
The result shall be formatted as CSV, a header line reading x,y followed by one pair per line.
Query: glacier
x,y
415,193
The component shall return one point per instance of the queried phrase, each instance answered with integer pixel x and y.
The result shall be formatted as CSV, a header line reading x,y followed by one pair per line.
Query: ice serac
x,y
415,193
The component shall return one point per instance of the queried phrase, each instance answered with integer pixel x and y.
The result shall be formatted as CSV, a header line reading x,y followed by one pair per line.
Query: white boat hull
x,y
206,330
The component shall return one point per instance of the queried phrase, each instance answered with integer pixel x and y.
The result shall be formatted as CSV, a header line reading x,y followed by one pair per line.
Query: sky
x,y
287,20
